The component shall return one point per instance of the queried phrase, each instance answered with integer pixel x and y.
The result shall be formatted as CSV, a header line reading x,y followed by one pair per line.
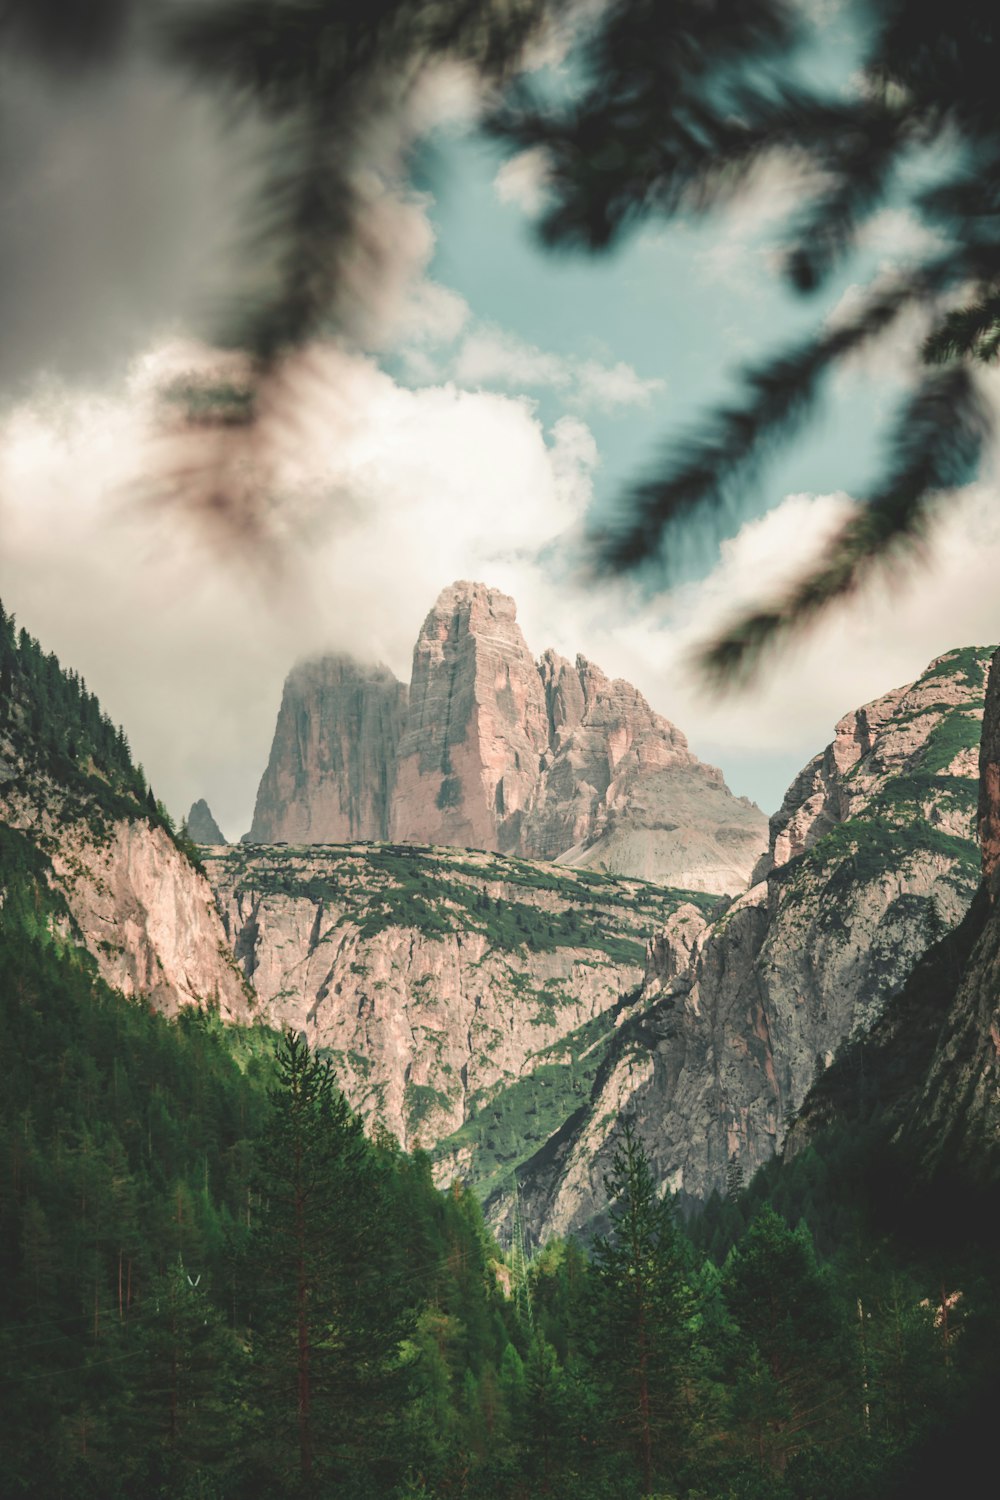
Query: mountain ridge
x,y
872,856
489,748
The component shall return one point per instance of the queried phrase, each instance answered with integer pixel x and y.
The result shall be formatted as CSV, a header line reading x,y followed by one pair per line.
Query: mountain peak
x,y
330,774
202,827
493,750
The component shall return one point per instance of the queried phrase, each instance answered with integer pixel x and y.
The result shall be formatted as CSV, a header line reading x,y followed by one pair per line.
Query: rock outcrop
x,y
989,776
147,917
551,760
136,903
332,767
924,1082
871,857
466,998
470,757
620,790
202,827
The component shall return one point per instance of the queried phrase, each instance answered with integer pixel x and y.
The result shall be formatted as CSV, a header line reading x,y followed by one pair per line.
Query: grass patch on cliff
x,y
968,664
509,1124
904,799
419,1101
857,852
411,890
958,731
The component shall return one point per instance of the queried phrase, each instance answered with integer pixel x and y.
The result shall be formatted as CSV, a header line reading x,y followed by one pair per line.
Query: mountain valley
x,y
564,1049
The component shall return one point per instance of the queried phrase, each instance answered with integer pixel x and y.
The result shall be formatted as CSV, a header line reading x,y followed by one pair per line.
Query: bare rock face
x,y
202,827
476,730
550,760
149,919
872,858
620,790
465,998
600,733
136,903
931,1062
957,1105
893,751
332,767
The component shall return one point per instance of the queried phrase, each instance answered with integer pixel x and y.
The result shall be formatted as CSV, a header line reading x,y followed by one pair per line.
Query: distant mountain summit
x,y
202,827
332,769
490,749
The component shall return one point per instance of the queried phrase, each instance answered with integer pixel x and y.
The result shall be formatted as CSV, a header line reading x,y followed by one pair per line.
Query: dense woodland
x,y
215,1283
56,727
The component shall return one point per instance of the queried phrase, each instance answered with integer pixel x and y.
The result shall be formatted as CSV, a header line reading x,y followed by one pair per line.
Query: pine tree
x,y
184,1405
331,1296
790,1387
643,1305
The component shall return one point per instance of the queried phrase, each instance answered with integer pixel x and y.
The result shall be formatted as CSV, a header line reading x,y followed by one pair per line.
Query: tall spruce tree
x,y
642,1310
331,1297
790,1385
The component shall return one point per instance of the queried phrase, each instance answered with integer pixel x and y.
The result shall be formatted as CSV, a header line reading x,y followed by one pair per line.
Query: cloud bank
x,y
398,493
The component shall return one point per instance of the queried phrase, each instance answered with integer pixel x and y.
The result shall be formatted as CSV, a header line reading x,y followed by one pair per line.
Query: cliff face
x,y
148,918
136,903
332,767
476,728
871,857
989,776
496,752
466,998
620,790
936,1054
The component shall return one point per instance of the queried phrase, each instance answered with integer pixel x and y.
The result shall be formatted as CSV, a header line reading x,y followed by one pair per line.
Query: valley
x,y
471,1096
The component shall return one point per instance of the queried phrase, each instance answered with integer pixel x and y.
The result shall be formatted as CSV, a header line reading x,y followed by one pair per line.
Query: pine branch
x,y
936,447
709,466
970,332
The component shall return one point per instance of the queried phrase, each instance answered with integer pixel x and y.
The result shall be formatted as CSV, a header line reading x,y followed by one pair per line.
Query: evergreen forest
x,y
215,1284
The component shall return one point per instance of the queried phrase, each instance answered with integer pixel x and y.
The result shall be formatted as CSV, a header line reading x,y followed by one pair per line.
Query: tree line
x,y
215,1283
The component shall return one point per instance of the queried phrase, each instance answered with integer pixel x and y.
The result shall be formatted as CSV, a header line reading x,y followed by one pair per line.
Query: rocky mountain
x,y
871,858
438,979
202,827
929,1069
477,728
506,1013
72,804
491,750
332,767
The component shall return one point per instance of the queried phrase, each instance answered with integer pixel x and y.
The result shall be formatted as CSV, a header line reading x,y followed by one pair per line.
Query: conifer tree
x,y
642,1311
789,1387
331,1297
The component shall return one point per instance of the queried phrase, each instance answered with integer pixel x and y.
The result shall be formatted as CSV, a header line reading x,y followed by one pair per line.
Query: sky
x,y
506,400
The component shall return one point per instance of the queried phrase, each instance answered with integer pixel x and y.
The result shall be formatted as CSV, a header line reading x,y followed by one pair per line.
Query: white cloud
x,y
614,385
397,492
769,196
522,181
492,356
393,494
883,637
897,235
890,360
432,314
